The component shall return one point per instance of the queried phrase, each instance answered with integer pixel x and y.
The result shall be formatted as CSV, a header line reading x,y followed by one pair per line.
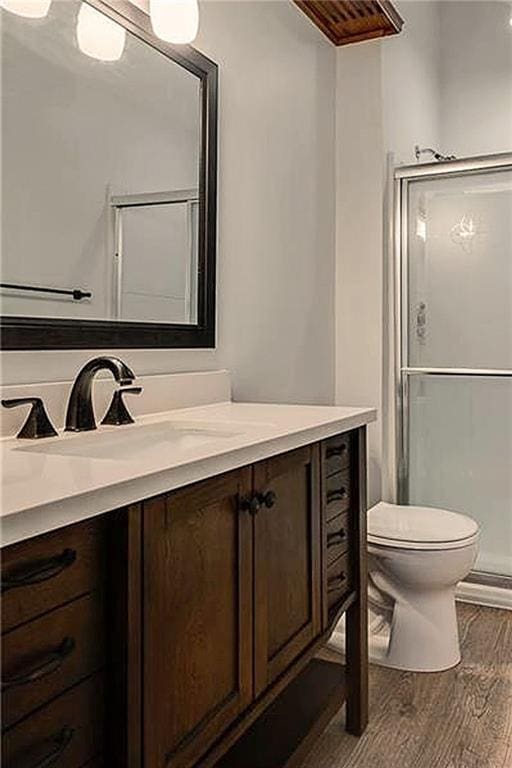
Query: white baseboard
x,y
484,594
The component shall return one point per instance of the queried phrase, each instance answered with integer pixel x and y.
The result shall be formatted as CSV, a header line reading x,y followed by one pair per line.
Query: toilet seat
x,y
419,528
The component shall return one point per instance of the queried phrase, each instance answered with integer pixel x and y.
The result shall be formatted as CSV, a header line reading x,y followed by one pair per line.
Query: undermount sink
x,y
131,443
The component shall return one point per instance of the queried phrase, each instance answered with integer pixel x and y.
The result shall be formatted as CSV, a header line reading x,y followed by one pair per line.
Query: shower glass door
x,y
455,362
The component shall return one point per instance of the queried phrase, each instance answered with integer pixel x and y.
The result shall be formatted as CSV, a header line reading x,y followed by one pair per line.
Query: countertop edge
x,y
25,524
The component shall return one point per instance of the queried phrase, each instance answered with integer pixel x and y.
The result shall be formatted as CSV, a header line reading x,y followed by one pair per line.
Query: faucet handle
x,y
118,413
37,424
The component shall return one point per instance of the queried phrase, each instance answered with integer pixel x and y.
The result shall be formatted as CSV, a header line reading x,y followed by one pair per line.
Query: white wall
x,y
276,198
359,179
447,78
276,213
411,73
476,77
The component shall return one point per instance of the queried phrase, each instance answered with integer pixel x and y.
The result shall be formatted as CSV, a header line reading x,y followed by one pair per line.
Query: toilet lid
x,y
411,527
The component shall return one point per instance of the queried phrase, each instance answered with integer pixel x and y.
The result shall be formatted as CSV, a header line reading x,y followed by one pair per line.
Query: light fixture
x,y
175,21
98,36
31,9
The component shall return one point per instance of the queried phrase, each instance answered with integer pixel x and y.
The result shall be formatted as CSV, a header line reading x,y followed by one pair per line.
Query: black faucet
x,y
80,412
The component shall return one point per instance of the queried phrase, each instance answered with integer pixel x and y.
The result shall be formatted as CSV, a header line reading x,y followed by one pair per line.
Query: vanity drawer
x,y
337,494
45,656
337,535
47,571
338,453
64,734
338,580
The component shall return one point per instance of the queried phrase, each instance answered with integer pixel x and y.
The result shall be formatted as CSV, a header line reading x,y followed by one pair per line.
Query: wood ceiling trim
x,y
352,21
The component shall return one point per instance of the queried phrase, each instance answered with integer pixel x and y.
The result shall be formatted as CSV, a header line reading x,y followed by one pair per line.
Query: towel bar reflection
x,y
76,293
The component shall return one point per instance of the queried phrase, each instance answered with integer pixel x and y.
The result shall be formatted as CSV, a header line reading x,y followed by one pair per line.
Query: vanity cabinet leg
x,y
356,626
357,668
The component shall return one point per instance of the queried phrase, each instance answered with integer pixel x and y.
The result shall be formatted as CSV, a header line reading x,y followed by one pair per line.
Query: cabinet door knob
x,y
250,504
267,499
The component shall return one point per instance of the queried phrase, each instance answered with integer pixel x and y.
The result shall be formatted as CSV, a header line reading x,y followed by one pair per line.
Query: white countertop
x,y
43,489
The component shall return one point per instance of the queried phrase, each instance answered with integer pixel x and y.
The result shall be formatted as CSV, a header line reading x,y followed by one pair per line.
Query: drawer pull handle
x,y
41,570
335,582
338,450
267,499
61,741
339,495
336,537
51,663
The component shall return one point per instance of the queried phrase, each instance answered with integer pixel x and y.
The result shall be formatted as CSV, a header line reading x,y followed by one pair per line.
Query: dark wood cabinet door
x,y
197,617
287,561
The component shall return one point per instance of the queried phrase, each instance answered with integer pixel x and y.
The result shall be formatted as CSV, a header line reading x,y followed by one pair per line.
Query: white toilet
x,y
417,555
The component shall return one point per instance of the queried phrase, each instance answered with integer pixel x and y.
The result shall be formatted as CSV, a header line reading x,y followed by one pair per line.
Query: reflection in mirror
x,y
163,285
100,177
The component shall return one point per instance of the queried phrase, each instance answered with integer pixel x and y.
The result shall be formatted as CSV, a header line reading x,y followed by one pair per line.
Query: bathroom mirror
x,y
108,182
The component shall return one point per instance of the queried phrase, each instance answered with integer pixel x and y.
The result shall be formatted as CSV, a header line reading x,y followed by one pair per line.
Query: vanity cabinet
x,y
183,631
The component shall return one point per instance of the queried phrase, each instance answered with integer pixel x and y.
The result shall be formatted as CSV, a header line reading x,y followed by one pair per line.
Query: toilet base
x,y
420,635
423,635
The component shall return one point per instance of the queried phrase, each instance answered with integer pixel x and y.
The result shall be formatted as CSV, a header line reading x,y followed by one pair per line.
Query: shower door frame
x,y
398,212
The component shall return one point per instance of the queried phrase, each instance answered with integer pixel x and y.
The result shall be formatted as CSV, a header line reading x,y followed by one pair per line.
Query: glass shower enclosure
x,y
453,248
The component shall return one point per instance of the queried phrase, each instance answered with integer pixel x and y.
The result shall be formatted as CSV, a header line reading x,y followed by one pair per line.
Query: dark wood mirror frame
x,y
30,333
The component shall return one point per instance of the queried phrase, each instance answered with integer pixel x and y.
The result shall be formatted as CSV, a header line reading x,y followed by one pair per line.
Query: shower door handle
x,y
421,322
